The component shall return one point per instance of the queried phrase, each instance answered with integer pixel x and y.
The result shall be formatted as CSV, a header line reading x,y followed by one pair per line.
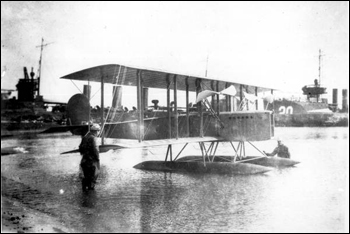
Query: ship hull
x,y
312,120
306,114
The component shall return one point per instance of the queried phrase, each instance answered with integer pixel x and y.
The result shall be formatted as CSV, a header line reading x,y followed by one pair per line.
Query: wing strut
x,y
102,107
199,107
139,106
176,119
168,106
187,109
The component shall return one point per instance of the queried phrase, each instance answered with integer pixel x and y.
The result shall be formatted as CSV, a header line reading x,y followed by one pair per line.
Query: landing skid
x,y
199,167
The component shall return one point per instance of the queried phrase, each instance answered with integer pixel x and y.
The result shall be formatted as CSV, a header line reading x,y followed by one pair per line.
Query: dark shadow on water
x,y
88,199
27,162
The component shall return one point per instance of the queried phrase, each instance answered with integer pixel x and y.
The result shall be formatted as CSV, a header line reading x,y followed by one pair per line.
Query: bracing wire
x,y
114,92
104,122
122,81
76,86
150,124
95,93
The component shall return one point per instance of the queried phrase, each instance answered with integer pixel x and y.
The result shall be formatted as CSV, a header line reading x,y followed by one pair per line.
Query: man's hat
x,y
95,127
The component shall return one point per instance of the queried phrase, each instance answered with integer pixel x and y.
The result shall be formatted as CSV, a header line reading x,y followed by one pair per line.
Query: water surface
x,y
310,197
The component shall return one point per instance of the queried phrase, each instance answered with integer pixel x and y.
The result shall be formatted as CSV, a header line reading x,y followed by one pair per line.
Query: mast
x,y
40,61
206,68
319,67
319,74
41,56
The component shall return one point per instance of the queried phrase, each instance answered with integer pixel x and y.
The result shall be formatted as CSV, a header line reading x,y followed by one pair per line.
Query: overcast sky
x,y
271,44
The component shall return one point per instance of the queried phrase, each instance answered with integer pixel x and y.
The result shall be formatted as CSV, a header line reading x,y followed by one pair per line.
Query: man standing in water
x,y
90,163
281,150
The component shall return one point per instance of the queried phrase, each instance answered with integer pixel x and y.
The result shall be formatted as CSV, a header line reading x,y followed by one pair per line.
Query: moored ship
x,y
29,113
314,110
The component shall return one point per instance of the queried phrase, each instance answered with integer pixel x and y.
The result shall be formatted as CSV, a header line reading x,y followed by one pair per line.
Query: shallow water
x,y
310,197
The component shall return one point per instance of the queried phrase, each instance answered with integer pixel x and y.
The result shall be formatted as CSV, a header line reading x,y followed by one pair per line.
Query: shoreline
x,y
17,218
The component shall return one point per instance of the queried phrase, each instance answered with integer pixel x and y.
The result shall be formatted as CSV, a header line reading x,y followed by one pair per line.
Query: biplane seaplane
x,y
208,124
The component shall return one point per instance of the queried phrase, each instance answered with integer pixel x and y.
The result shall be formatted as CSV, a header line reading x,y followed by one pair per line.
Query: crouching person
x,y
90,162
281,150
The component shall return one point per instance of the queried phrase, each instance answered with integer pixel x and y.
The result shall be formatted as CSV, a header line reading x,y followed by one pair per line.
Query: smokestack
x,y
145,97
33,88
87,91
335,97
117,97
26,77
32,74
345,100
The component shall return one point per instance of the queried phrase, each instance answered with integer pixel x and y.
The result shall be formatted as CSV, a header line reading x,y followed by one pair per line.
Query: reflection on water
x,y
307,198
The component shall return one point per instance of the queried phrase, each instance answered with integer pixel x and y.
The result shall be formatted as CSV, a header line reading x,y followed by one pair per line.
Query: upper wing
x,y
125,75
166,126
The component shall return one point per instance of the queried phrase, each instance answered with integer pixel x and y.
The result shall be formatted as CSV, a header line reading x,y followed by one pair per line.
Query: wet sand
x,y
17,218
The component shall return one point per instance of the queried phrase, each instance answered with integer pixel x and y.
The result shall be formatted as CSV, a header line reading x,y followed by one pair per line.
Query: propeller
x,y
250,97
207,93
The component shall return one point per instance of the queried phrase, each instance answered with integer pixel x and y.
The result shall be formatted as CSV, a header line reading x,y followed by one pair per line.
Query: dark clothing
x,y
281,151
90,162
